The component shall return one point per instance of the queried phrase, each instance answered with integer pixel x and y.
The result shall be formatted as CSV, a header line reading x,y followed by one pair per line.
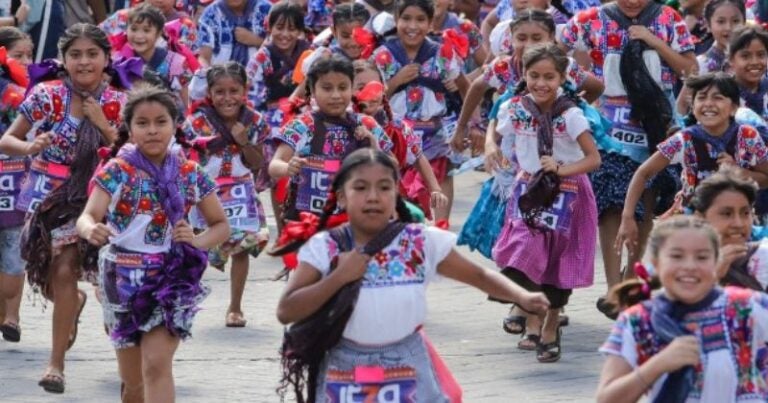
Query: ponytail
x,y
633,291
122,139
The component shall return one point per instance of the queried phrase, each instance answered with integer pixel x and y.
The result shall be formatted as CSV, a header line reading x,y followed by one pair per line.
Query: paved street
x,y
241,365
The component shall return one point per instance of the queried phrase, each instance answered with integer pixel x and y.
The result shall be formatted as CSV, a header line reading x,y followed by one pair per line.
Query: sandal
x,y
606,308
11,332
235,319
73,335
52,382
518,321
531,338
549,352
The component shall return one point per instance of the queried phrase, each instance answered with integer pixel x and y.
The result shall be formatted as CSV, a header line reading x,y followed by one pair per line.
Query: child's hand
x,y
238,132
459,140
22,12
438,200
406,74
549,164
683,351
450,85
728,255
725,159
627,235
42,141
361,133
245,36
351,266
295,164
92,110
98,234
642,33
535,302
493,157
183,232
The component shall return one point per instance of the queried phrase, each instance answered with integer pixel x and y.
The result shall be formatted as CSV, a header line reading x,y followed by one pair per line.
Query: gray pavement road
x,y
241,365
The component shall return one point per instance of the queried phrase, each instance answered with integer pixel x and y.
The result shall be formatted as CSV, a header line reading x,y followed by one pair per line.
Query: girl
x,y
370,99
696,342
392,281
544,244
348,20
145,27
118,23
15,55
635,101
231,30
725,201
229,137
748,58
150,273
312,145
445,20
71,116
420,77
270,70
376,7
696,21
716,140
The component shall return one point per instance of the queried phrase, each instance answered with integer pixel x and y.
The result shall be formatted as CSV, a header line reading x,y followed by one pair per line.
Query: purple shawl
x,y
178,285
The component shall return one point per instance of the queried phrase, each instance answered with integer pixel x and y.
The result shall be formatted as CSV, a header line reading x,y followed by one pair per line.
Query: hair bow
x,y
645,277
373,91
455,41
120,46
300,230
48,69
172,31
16,71
290,107
128,71
365,40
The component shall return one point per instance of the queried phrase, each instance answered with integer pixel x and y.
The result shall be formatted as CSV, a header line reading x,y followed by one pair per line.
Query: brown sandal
x,y
52,382
235,319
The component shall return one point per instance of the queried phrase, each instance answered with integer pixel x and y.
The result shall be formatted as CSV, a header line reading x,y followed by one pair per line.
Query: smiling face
x,y
713,110
731,215
151,130
343,34
724,20
333,93
85,63
227,97
284,35
21,51
369,196
527,34
142,36
631,8
543,81
686,265
412,27
749,63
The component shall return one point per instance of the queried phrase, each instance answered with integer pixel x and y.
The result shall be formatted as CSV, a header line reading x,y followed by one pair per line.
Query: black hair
x,y
98,37
10,35
724,180
743,36
350,12
140,94
543,51
713,5
356,159
425,5
147,13
725,83
360,66
541,17
287,11
333,64
230,69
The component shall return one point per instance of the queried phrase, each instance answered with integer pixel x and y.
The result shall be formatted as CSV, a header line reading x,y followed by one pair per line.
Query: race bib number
x,y
391,385
558,216
314,183
237,199
11,176
625,131
42,179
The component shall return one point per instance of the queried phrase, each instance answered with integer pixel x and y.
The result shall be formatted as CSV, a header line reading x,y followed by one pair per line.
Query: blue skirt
x,y
484,223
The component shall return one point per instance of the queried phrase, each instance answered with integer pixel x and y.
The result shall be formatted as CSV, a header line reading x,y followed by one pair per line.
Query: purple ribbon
x,y
127,71
47,70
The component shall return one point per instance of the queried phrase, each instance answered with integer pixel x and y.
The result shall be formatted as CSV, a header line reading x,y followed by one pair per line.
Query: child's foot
x,y
235,319
52,381
11,332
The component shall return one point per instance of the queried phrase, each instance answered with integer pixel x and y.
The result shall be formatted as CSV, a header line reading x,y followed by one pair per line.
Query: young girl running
x,y
348,21
389,264
420,78
636,101
696,342
715,140
145,27
118,23
370,99
71,116
15,55
545,245
229,138
150,273
231,30
725,201
312,145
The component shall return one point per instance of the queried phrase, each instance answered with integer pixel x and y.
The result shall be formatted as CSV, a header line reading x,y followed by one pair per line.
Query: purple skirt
x,y
563,255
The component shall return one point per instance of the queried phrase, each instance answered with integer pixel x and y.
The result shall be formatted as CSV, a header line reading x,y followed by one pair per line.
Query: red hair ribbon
x,y
16,71
373,91
642,274
443,224
457,42
290,108
104,152
364,39
172,31
306,227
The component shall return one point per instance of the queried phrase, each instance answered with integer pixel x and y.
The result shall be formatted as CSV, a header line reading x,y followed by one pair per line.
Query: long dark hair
x,y
98,37
725,83
425,5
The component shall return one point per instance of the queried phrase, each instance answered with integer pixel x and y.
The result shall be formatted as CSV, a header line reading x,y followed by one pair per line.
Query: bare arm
x,y
278,167
13,141
589,163
592,88
644,173
218,226
760,174
490,21
426,172
205,57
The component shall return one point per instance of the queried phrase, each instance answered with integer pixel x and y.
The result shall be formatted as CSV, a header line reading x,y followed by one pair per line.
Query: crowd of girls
x,y
141,156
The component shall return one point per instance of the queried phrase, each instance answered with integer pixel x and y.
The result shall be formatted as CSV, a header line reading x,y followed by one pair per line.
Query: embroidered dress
x,y
142,240
237,193
117,23
757,266
750,151
465,28
12,169
713,60
502,74
216,28
172,67
391,305
732,332
757,100
562,254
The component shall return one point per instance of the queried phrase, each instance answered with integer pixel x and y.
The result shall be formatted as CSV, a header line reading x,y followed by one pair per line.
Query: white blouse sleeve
x,y
316,253
438,244
575,122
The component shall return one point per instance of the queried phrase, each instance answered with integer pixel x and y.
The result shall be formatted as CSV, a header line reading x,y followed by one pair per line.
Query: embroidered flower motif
x,y
112,111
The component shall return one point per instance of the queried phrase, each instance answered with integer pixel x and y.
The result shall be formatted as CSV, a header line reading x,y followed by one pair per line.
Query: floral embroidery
x,y
216,31
298,134
117,23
